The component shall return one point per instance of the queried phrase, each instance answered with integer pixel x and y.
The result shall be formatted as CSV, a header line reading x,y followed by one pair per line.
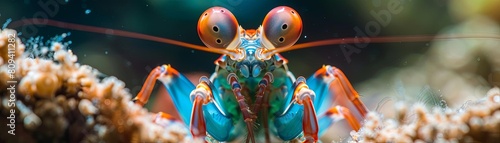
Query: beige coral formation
x,y
475,122
61,100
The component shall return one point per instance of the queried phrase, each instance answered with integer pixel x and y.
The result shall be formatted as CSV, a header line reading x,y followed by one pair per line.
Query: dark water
x,y
131,59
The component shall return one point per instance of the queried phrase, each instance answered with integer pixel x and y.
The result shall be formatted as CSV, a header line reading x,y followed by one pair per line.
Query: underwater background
x,y
399,70
131,59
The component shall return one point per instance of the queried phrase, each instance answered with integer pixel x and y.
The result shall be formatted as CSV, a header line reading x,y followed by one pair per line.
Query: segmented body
x,y
276,92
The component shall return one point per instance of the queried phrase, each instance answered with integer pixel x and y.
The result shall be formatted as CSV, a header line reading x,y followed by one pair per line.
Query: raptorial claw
x,y
200,96
305,96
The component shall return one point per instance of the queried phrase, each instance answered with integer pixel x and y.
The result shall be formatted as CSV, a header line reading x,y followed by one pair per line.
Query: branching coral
x,y
478,121
61,100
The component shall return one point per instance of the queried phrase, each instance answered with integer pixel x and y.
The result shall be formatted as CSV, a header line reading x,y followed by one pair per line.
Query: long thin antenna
x,y
419,38
115,32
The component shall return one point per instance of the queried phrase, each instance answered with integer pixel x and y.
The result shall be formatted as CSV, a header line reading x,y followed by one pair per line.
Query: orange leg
x,y
332,86
304,96
202,95
181,91
342,87
198,126
340,112
143,96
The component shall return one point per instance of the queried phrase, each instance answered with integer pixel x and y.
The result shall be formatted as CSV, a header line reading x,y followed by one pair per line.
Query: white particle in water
x,y
106,52
305,36
87,11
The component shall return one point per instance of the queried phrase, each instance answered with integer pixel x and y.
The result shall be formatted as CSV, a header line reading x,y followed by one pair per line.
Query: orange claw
x,y
346,114
342,87
310,122
198,128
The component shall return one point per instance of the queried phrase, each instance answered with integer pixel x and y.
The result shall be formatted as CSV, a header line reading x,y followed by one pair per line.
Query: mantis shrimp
x,y
252,94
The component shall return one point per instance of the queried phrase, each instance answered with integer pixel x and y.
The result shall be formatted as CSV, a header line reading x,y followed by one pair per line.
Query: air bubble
x,y
87,11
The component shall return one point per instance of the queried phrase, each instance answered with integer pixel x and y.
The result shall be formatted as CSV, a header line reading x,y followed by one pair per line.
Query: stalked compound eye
x,y
281,28
218,28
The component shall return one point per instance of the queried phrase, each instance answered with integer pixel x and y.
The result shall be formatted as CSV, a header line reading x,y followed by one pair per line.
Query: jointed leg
x,y
302,111
206,116
304,96
331,86
262,102
346,89
268,78
203,116
335,114
143,96
248,116
176,84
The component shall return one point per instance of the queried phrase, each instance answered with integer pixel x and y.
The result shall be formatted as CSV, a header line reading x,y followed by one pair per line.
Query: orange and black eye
x,y
282,27
218,28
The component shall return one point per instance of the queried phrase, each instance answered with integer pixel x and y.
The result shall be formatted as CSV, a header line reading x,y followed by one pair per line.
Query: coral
x,y
474,122
59,100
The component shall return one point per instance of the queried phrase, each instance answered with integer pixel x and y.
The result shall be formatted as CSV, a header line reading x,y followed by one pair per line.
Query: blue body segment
x,y
323,101
324,97
218,125
288,125
286,122
179,88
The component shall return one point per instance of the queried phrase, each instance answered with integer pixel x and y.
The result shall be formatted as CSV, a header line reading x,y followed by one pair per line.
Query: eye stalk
x,y
282,27
218,28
